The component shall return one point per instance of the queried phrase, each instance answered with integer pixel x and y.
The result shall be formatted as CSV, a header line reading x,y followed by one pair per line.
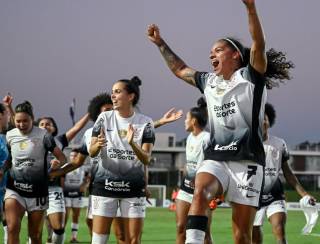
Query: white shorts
x,y
29,204
242,181
73,202
130,207
89,208
184,196
275,207
56,200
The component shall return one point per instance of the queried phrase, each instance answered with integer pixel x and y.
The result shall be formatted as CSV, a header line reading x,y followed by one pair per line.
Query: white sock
x,y
74,230
5,236
194,236
57,239
99,238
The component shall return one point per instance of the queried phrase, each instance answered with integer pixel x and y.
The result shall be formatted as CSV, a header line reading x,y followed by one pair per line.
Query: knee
x,y
181,228
35,236
278,231
135,240
242,237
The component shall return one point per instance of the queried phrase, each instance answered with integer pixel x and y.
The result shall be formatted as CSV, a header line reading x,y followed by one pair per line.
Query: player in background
x,y
273,199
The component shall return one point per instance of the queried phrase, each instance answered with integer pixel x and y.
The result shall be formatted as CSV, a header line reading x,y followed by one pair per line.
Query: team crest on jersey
x,y
23,145
274,153
122,133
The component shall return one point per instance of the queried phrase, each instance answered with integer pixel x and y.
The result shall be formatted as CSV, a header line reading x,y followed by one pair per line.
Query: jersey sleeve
x,y
83,149
285,152
49,142
63,140
148,134
250,74
201,79
98,125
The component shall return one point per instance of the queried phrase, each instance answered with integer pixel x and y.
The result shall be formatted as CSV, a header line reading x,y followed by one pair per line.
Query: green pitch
x,y
159,227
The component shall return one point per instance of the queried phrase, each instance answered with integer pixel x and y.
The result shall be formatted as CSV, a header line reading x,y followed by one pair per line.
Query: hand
x,y
153,33
171,116
130,134
55,164
7,100
312,200
102,142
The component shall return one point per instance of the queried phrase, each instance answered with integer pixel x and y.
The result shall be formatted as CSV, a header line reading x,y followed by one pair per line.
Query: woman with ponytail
x,y
197,142
123,140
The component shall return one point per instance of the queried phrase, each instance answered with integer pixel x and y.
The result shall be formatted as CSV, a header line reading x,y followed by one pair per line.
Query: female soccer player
x,y
236,94
197,141
273,200
101,103
27,186
124,139
56,210
74,185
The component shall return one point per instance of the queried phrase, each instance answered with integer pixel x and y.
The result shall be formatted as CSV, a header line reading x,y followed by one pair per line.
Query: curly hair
x,y
278,67
96,103
271,113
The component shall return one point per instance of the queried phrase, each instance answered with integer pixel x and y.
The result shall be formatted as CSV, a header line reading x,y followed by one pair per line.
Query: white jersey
x,y
120,173
195,147
29,174
276,153
235,114
72,182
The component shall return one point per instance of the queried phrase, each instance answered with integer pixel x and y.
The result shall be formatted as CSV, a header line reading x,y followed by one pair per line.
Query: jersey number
x,y
252,170
58,195
41,201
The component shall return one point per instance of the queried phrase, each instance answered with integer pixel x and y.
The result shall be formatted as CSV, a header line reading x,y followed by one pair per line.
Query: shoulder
x,y
143,119
277,141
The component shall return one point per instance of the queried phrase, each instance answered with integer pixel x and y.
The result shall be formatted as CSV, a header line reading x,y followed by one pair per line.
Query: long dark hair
x,y
278,67
53,123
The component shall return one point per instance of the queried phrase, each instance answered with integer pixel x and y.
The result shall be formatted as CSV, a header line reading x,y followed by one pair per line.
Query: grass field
x,y
160,228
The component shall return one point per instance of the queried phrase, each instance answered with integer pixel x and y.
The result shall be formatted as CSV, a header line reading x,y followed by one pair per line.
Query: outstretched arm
x,y
258,58
71,133
293,181
176,65
170,116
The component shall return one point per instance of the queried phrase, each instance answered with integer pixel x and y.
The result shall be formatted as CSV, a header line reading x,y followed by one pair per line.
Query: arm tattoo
x,y
176,64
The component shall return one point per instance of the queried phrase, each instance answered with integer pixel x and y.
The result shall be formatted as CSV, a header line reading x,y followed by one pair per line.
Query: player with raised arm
x,y
236,94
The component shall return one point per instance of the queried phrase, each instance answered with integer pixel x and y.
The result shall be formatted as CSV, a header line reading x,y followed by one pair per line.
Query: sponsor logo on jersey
x,y
231,147
118,186
225,109
23,186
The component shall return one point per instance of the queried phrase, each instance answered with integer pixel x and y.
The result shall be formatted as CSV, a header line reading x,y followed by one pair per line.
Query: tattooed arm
x,y
176,64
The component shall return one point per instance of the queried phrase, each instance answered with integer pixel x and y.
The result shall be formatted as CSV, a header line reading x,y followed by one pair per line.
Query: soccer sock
x,y
58,236
74,230
99,238
196,227
5,231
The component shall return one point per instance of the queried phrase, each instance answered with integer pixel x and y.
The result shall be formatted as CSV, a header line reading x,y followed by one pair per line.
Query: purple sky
x,y
52,51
